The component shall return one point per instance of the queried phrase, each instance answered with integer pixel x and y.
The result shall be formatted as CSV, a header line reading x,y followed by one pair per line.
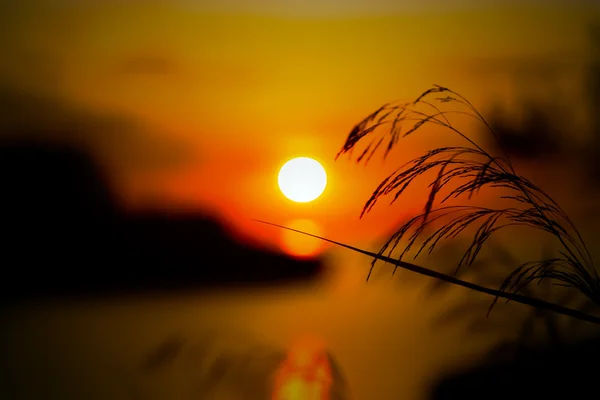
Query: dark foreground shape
x,y
568,372
63,235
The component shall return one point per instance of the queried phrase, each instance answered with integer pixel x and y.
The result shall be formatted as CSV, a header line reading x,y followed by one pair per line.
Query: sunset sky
x,y
197,104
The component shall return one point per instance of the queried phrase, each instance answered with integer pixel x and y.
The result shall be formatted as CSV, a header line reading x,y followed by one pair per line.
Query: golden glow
x,y
305,374
302,179
176,75
299,245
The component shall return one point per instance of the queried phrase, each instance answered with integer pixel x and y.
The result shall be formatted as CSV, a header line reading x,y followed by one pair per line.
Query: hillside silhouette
x,y
64,235
568,371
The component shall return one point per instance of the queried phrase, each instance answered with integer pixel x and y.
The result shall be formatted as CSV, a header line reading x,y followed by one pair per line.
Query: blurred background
x,y
138,140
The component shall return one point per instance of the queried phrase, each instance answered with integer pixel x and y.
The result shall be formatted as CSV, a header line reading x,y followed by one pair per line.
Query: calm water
x,y
386,336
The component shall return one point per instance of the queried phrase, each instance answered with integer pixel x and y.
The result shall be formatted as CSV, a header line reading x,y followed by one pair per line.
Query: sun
x,y
302,179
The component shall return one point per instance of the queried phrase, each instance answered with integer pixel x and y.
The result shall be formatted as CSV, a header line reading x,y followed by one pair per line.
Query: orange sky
x,y
207,105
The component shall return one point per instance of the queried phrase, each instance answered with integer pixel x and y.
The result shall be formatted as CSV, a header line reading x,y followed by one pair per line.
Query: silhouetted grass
x,y
463,171
539,327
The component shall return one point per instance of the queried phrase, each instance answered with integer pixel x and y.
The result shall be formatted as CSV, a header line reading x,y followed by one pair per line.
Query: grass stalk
x,y
463,171
527,300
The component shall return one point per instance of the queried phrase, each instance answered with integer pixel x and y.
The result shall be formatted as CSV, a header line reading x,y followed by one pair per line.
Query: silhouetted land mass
x,y
64,235
531,137
569,371
536,135
593,91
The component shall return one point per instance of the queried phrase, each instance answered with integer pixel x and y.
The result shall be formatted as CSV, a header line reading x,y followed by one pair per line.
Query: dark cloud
x,y
36,37
147,64
123,141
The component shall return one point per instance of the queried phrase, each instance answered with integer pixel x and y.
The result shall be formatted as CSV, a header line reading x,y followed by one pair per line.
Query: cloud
x,y
119,140
347,8
147,64
40,42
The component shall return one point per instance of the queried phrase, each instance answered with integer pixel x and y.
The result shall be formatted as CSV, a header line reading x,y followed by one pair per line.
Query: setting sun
x,y
302,179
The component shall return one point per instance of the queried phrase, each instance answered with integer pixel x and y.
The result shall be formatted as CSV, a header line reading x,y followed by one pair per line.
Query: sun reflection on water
x,y
298,245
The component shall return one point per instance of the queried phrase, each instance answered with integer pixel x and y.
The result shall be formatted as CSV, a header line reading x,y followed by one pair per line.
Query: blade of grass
x,y
530,301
